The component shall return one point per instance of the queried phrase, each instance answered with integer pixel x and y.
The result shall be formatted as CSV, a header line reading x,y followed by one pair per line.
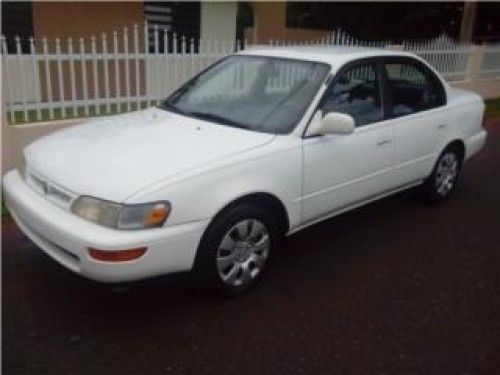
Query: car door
x,y
416,104
343,170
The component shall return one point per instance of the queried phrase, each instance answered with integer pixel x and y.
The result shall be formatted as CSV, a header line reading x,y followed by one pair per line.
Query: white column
x,y
468,21
6,133
475,63
218,21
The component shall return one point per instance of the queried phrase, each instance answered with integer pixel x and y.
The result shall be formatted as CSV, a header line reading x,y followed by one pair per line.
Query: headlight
x,y
139,216
121,216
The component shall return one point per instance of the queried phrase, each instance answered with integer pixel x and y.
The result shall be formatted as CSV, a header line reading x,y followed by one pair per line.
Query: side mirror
x,y
332,123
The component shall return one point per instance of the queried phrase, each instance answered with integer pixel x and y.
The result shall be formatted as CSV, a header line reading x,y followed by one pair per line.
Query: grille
x,y
48,189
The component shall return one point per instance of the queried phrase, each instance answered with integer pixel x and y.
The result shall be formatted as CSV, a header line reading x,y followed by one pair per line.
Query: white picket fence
x,y
136,68
73,78
490,67
447,56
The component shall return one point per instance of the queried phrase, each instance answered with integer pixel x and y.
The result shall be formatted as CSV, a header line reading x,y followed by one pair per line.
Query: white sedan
x,y
260,145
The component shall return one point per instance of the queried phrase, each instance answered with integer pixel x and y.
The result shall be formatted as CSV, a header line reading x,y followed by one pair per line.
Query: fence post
x,y
36,77
150,64
137,69
83,64
474,66
5,81
127,68
6,140
60,78
118,93
395,47
48,80
105,61
21,70
6,127
72,76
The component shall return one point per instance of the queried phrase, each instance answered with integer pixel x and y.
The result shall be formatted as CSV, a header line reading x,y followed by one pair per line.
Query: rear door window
x,y
412,88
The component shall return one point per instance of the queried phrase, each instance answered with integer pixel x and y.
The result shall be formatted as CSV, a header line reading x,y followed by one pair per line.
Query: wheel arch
x,y
430,190
454,142
457,144
264,199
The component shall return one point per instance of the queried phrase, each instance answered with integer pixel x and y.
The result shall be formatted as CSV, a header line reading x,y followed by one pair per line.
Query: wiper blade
x,y
201,115
216,118
170,107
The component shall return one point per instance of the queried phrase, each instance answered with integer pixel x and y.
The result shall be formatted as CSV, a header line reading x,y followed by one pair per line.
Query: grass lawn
x,y
32,116
493,108
5,213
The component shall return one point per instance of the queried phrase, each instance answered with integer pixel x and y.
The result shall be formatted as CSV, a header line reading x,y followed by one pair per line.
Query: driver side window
x,y
357,93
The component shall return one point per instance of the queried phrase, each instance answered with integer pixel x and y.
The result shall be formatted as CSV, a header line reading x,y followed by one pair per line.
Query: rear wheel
x,y
442,182
236,249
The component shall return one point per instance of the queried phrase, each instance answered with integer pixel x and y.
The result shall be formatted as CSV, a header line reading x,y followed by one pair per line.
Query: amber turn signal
x,y
116,255
157,216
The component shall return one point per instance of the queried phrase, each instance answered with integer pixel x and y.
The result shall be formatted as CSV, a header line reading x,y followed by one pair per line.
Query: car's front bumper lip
x,y
66,238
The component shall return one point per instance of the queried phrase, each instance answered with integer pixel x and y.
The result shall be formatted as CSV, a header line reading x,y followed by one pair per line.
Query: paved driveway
x,y
392,288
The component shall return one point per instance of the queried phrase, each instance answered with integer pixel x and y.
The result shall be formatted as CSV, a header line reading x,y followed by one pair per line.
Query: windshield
x,y
252,92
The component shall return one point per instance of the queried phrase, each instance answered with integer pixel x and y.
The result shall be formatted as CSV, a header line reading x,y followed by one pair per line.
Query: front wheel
x,y
236,249
442,182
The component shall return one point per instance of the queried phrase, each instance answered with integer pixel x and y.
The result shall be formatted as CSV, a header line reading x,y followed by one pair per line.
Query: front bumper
x,y
66,238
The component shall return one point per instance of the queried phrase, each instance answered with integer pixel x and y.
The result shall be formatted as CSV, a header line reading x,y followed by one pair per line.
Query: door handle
x,y
442,126
383,142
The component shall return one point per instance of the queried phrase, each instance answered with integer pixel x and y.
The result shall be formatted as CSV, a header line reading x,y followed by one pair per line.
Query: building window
x,y
181,18
17,20
368,21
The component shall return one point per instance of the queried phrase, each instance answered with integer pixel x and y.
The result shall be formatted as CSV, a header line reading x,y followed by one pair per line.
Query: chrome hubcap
x,y
243,252
446,173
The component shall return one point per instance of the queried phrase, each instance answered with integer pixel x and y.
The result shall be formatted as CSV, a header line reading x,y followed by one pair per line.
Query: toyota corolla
x,y
258,146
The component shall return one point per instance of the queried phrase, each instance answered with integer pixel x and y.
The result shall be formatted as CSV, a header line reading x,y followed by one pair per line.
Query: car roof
x,y
333,55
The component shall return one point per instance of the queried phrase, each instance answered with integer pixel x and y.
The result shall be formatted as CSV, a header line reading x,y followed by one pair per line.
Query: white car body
x,y
155,155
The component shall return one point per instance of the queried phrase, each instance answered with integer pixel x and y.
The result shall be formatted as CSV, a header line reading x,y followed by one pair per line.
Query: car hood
x,y
115,157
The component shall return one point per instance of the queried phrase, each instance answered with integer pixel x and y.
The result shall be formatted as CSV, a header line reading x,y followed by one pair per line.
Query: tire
x,y
235,250
442,182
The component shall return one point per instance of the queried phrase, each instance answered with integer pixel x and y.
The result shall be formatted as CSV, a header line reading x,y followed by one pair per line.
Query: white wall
x,y
218,20
21,79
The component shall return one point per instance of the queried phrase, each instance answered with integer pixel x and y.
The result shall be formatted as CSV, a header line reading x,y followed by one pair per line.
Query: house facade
x,y
256,21
68,19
